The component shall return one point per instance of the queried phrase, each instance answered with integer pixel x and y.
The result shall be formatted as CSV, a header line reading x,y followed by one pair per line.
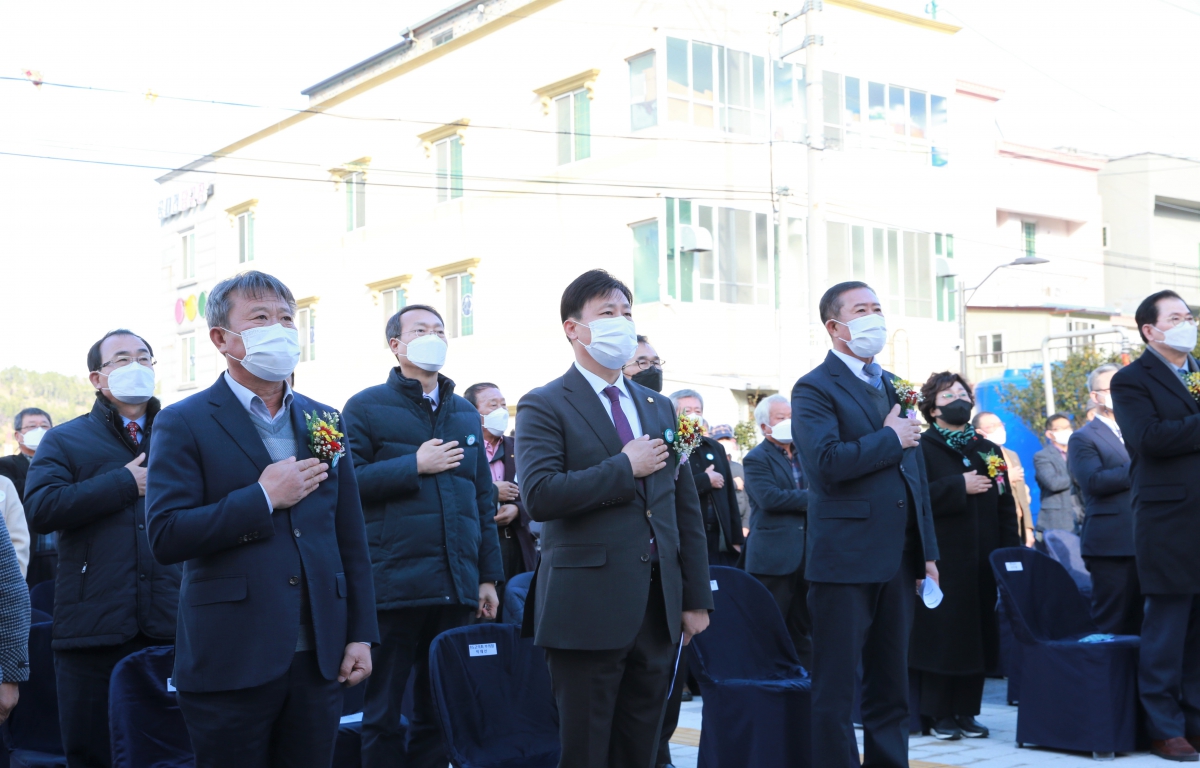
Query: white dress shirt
x,y
433,397
141,422
626,400
855,365
255,405
1111,425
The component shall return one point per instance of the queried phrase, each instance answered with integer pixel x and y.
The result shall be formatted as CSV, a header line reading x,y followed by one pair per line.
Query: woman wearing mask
x,y
973,513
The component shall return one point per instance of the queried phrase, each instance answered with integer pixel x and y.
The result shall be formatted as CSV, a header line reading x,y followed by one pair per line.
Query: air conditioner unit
x,y
693,239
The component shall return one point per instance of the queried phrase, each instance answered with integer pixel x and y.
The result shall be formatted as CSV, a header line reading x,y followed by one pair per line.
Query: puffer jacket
x,y
432,537
109,587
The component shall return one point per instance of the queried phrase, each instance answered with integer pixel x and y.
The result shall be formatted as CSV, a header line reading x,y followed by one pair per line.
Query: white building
x,y
504,147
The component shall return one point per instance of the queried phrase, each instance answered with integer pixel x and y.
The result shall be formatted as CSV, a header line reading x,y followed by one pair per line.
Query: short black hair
x,y
831,302
392,331
19,419
1055,417
595,283
643,339
1147,311
979,417
93,356
934,386
472,393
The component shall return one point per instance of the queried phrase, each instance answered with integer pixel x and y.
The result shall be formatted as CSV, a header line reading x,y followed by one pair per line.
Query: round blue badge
x,y
470,439
709,457
669,436
966,462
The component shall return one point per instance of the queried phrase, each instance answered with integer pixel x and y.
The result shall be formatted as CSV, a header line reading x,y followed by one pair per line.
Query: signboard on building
x,y
191,196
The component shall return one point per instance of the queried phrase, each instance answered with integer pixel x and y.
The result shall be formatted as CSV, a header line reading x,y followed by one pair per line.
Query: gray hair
x,y
19,419
252,283
679,394
1107,367
762,411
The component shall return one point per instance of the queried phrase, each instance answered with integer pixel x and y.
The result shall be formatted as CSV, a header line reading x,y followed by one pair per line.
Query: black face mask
x,y
956,413
651,378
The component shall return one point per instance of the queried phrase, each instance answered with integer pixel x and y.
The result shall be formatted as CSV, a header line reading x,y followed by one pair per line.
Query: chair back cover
x,y
39,617
41,597
746,638
491,689
1066,548
515,592
144,721
33,724
1041,600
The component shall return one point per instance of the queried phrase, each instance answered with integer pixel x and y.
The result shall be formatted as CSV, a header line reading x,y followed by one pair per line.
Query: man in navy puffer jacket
x,y
427,498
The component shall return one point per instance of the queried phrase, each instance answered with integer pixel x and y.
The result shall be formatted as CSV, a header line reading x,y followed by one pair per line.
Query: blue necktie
x,y
875,372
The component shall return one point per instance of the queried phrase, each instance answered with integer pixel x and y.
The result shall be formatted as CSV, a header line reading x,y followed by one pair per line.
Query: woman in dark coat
x,y
973,513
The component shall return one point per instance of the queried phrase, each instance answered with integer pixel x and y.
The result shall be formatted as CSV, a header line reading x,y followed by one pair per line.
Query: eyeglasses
x,y
643,364
122,361
441,334
30,428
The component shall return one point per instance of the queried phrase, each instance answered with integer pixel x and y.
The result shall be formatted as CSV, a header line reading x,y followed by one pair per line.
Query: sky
x,y
78,241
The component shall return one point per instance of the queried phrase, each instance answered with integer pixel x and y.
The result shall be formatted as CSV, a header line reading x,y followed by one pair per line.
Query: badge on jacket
x,y
668,436
709,456
470,439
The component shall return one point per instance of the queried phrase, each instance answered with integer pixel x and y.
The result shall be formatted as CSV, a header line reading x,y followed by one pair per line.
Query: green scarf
x,y
956,440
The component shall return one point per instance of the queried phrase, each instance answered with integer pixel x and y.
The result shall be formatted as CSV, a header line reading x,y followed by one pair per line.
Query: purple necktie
x,y
625,432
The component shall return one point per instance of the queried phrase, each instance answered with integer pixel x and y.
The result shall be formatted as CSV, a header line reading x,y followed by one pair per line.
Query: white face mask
x,y
868,335
496,422
427,352
999,437
1181,338
132,384
33,438
782,431
614,340
272,351
1108,401
1061,436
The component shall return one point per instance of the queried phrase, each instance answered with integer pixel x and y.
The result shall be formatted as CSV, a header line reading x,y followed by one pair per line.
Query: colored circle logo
x,y
179,310
467,305
189,307
202,303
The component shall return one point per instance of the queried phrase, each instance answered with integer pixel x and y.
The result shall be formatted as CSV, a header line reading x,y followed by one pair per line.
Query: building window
x,y
791,101
441,38
939,155
306,329
832,83
991,348
356,200
187,359
449,169
1029,230
460,305
645,262
245,225
574,126
643,92
711,86
188,255
394,300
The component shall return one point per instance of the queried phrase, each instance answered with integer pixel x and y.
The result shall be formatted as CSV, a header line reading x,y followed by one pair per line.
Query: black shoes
x,y
946,729
686,695
971,728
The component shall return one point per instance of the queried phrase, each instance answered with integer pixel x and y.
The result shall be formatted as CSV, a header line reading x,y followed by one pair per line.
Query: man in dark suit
x,y
779,511
1060,509
623,577
870,534
714,484
1100,465
277,608
29,426
1160,421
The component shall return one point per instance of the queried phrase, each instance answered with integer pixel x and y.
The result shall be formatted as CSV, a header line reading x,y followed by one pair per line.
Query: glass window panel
x,y
443,171
677,67
687,276
645,262
924,275
583,125
762,270
671,289
739,121
242,238
912,306
858,252
941,298
937,243
916,115
562,106
781,75
853,109
775,263
937,112
743,236
801,93
727,254
760,83
837,244
795,245
466,304
702,71
348,181
896,117
1029,229
360,200
704,115
677,111
876,108
643,89
685,211
739,77
879,259
456,169
893,270
451,310
949,246
833,86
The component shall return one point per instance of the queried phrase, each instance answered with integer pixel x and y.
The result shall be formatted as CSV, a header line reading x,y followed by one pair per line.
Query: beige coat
x,y
14,518
1021,493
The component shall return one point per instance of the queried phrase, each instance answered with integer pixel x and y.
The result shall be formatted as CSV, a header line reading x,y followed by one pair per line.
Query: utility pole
x,y
818,263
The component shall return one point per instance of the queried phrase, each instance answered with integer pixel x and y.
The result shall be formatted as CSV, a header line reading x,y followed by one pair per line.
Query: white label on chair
x,y
483,649
170,685
713,585
1017,566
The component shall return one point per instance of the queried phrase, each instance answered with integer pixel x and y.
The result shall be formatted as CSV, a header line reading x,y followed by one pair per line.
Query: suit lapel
x,y
1106,434
229,413
650,426
579,393
300,427
850,383
1169,379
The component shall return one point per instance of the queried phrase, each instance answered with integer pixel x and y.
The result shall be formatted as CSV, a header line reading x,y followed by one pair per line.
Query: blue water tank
x,y
1021,440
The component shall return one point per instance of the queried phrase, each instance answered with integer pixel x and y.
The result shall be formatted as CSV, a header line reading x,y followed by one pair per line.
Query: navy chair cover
x,y
41,597
31,731
39,617
491,689
144,721
1010,655
515,592
1065,548
347,750
751,681
1076,696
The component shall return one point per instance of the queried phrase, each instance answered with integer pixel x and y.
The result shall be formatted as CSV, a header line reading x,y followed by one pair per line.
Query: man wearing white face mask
x,y
1061,508
87,483
251,486
29,426
870,542
428,497
991,427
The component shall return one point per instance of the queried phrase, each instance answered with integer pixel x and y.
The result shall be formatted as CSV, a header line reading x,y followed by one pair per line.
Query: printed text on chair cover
x,y
751,681
491,689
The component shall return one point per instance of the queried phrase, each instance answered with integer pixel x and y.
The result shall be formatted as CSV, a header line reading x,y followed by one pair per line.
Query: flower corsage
x,y
684,438
324,439
909,395
996,466
1192,382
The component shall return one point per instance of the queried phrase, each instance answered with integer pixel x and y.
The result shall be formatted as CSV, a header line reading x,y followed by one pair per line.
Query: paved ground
x,y
998,751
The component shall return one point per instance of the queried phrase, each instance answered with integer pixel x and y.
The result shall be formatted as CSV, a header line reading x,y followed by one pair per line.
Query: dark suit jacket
x,y
1160,421
1100,465
239,605
16,468
778,513
1060,508
724,499
507,452
860,481
590,591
